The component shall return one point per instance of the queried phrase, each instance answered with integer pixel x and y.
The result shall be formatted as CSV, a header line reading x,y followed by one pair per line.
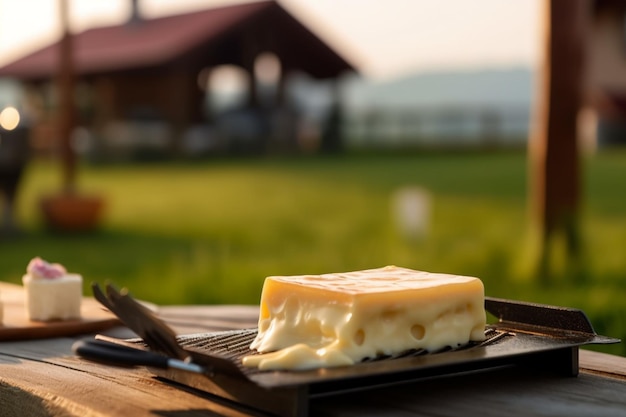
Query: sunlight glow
x,y
9,118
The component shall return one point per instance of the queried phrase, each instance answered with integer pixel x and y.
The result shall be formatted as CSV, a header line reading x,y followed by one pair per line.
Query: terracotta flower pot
x,y
72,212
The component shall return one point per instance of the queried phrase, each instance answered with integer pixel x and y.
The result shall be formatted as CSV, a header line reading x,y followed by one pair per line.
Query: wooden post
x,y
66,109
555,181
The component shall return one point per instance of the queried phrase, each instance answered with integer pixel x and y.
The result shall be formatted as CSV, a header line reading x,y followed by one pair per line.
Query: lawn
x,y
210,231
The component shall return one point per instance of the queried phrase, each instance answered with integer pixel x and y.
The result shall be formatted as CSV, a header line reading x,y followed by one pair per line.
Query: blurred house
x,y
605,83
143,86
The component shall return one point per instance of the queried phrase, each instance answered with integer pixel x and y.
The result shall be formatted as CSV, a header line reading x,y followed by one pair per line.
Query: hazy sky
x,y
383,38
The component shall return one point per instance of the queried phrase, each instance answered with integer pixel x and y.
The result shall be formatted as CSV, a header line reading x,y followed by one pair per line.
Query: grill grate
x,y
526,334
235,344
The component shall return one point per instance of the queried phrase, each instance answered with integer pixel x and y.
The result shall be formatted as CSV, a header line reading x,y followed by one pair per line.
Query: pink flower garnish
x,y
38,268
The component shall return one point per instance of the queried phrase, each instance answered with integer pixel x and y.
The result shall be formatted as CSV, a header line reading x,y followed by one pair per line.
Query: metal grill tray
x,y
525,334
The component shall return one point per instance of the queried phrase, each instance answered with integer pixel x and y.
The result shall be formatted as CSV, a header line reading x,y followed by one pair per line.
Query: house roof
x,y
209,37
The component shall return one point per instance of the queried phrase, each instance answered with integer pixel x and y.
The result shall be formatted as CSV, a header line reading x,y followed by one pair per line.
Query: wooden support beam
x,y
555,171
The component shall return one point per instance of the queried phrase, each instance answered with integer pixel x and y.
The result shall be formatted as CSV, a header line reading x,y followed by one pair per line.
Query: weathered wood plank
x,y
602,364
55,383
191,319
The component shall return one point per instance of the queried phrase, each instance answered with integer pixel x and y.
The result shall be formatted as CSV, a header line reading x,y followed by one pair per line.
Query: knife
x,y
114,354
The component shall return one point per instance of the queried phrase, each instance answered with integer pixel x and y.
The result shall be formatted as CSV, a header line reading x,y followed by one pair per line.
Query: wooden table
x,y
43,378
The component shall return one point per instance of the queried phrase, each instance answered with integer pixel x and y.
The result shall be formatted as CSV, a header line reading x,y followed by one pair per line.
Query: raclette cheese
x,y
314,321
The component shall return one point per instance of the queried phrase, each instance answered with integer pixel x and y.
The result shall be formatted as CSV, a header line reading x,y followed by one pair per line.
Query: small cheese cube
x,y
312,321
53,298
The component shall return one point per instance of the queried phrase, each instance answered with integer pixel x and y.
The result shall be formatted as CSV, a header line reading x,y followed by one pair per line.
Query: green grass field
x,y
210,231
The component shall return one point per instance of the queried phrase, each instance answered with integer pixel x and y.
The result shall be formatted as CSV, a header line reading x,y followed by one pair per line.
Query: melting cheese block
x,y
53,299
313,321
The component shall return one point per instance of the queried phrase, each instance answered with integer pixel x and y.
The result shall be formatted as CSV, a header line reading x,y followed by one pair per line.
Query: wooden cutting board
x,y
16,325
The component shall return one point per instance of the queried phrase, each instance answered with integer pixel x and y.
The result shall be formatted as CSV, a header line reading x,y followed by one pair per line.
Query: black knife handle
x,y
113,354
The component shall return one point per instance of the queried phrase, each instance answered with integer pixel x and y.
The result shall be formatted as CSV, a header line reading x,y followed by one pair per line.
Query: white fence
x,y
446,126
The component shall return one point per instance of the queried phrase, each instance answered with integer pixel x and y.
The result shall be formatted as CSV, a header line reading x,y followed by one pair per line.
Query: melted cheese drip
x,y
314,321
